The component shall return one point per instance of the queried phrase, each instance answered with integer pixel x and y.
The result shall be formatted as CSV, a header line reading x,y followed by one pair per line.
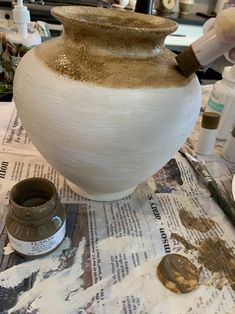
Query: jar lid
x,y
33,198
210,120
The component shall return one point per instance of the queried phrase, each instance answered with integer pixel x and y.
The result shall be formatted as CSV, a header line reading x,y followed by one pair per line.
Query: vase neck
x,y
119,43
111,32
112,49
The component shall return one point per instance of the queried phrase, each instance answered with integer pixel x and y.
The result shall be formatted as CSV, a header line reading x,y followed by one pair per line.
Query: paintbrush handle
x,y
228,206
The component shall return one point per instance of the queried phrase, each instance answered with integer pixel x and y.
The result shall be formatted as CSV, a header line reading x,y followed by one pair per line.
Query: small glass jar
x,y
36,219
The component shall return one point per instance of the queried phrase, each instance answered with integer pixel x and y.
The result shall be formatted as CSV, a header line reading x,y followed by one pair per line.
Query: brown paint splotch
x,y
216,256
178,274
200,224
188,246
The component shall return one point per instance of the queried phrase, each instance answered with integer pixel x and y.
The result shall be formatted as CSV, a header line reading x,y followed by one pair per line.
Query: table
x,y
183,37
107,262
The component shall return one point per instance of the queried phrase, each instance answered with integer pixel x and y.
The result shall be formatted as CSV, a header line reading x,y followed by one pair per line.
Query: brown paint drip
x,y
177,273
112,49
188,246
200,224
218,258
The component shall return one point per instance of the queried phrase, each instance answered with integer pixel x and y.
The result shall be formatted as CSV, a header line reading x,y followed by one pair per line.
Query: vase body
x,y
104,102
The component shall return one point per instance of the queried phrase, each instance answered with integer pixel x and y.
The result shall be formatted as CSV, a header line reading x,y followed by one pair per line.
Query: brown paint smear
x,y
177,273
216,256
188,246
200,224
113,49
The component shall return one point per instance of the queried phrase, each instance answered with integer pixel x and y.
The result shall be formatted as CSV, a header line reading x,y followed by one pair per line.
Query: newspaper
x,y
108,260
12,134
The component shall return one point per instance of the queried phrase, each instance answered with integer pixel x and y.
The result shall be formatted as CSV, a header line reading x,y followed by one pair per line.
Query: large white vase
x,y
105,103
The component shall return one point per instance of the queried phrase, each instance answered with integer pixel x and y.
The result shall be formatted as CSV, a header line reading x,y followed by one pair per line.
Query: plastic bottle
x,y
207,133
222,101
228,152
21,32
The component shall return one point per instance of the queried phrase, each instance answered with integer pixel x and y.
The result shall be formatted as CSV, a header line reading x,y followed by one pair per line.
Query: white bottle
x,y
222,101
21,32
207,133
228,152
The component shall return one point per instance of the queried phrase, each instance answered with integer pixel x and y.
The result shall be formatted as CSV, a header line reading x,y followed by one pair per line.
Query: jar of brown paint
x,y
36,219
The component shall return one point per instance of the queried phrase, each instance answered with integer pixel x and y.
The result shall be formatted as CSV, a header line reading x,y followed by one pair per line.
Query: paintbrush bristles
x,y
187,62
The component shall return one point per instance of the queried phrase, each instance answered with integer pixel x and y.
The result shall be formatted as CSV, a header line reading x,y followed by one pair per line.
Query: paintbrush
x,y
225,203
218,40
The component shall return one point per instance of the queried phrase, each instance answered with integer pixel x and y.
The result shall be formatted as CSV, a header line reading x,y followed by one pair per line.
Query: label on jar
x,y
38,247
215,106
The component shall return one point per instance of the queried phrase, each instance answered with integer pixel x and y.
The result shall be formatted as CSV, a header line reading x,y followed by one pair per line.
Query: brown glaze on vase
x,y
124,51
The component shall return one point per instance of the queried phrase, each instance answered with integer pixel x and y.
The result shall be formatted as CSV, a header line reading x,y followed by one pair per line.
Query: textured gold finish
x,y
112,48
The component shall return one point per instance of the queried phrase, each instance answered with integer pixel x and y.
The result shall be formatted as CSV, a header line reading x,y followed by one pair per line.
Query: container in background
x,y
36,219
185,6
14,43
21,32
228,152
207,133
222,101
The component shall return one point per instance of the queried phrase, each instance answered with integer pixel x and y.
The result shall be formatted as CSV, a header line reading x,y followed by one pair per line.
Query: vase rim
x,y
114,19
